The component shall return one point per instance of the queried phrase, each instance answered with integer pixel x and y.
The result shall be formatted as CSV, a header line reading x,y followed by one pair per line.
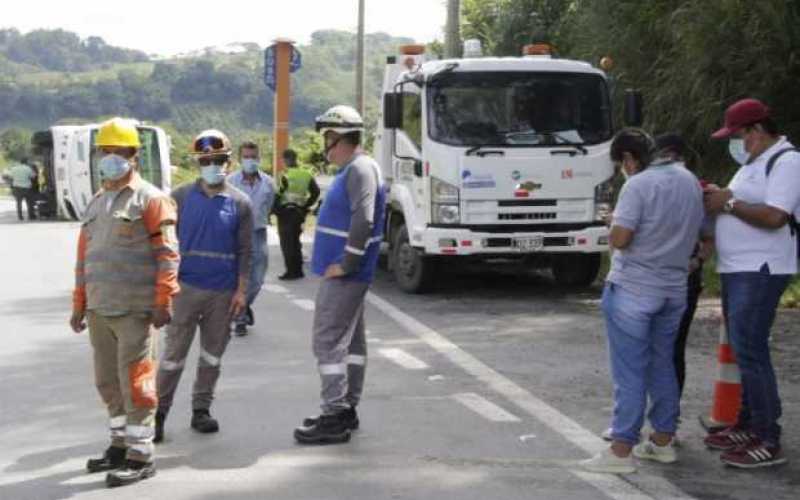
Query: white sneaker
x,y
608,463
648,450
606,435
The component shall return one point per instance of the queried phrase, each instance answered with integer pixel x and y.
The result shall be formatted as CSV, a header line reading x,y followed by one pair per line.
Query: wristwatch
x,y
728,206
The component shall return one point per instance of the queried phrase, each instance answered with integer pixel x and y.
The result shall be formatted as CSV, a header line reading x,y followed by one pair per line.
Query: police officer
x,y
346,245
298,193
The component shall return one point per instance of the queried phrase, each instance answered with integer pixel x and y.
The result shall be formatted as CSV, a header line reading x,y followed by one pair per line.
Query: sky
x,y
165,27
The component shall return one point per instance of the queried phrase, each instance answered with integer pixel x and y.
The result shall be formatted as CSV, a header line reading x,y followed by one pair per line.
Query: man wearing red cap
x,y
757,247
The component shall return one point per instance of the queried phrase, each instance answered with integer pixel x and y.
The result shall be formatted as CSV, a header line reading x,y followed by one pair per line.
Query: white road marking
x,y
436,378
613,486
275,289
403,359
527,437
484,407
306,304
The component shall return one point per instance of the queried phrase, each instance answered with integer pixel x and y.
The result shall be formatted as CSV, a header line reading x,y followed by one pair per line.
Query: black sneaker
x,y
328,429
349,415
203,422
240,330
159,434
132,472
113,458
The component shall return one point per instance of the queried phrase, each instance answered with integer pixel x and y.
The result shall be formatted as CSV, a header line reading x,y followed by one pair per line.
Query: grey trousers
x,y
195,307
339,342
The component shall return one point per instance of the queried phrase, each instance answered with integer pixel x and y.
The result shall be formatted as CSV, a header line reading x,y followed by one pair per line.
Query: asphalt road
x,y
493,387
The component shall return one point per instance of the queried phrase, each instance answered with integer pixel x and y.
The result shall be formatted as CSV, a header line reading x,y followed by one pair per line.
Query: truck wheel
x,y
576,269
413,272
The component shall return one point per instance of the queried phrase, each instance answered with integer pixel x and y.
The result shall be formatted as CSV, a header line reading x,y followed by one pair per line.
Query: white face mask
x,y
213,174
113,167
250,165
737,151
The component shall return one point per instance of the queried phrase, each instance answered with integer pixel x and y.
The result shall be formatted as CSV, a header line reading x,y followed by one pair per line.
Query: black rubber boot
x,y
349,415
132,472
113,458
159,435
203,422
328,429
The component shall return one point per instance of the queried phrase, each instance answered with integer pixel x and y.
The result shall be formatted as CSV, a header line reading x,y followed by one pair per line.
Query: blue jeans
x,y
641,342
749,301
259,261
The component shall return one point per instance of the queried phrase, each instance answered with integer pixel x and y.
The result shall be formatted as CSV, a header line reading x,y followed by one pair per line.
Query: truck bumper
x,y
454,241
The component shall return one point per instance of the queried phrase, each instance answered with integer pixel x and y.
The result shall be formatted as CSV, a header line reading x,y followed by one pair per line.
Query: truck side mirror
x,y
393,110
634,108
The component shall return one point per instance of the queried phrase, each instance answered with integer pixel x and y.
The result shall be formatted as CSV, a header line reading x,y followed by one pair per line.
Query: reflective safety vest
x,y
333,227
120,267
298,179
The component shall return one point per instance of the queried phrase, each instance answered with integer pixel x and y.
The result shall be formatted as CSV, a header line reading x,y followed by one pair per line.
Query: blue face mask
x,y
113,167
213,174
250,165
737,151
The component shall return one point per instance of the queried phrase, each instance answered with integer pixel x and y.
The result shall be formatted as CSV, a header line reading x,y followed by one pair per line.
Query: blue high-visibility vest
x,y
333,228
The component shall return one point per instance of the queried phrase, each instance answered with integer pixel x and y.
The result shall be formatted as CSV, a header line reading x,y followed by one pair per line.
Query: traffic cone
x,y
727,387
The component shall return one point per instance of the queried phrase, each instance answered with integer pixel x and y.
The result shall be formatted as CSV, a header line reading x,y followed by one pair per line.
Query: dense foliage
x,y
690,58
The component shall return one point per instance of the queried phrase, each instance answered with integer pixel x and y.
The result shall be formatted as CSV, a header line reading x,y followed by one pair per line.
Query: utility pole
x,y
452,36
360,72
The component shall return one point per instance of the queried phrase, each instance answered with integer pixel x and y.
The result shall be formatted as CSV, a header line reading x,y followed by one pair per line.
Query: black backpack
x,y
794,226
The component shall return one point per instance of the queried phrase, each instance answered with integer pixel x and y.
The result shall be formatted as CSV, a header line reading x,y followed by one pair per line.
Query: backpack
x,y
794,225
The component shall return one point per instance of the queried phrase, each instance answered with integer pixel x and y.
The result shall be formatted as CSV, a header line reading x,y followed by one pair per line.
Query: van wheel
x,y
414,272
576,269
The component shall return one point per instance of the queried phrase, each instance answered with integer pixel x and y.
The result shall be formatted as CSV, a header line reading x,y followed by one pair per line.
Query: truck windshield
x,y
149,159
518,109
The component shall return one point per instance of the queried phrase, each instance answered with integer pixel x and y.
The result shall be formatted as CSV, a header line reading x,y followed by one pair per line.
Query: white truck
x,y
69,160
495,159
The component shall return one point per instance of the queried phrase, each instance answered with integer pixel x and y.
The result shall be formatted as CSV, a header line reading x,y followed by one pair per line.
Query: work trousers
x,y
694,289
258,270
749,302
339,342
641,343
195,307
290,227
28,195
124,367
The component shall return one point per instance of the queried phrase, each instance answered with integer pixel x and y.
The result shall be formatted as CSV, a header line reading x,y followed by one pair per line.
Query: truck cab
x,y
495,159
68,155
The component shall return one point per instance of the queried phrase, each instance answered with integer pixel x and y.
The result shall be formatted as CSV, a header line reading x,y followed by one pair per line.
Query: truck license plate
x,y
529,244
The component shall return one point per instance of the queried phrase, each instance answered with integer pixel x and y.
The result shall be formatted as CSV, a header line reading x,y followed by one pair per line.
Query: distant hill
x,y
55,76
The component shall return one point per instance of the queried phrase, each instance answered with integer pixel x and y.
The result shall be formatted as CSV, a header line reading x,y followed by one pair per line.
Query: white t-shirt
x,y
742,247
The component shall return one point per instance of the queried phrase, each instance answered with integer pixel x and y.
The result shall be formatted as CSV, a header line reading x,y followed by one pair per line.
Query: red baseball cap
x,y
741,114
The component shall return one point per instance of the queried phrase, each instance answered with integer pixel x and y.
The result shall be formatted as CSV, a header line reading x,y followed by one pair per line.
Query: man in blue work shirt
x,y
258,186
215,225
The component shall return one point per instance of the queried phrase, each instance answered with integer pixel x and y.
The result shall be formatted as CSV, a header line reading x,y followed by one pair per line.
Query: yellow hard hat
x,y
118,132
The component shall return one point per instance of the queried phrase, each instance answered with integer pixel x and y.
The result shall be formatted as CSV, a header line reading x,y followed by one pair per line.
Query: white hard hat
x,y
340,119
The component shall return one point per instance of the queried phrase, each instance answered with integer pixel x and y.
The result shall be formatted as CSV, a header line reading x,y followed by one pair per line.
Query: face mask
x,y
737,151
113,167
250,165
213,174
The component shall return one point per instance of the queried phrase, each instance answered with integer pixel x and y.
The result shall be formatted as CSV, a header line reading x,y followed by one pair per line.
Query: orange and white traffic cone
x,y
727,387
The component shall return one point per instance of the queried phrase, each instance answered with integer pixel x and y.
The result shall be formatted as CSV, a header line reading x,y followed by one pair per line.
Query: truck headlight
x,y
446,214
445,201
443,192
603,200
